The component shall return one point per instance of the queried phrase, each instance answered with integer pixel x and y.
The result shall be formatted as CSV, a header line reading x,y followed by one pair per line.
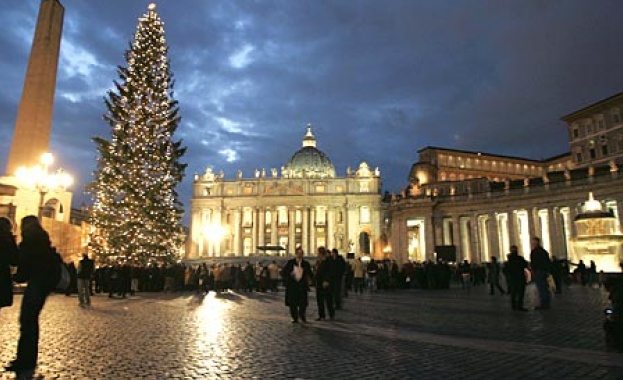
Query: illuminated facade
x,y
480,204
303,203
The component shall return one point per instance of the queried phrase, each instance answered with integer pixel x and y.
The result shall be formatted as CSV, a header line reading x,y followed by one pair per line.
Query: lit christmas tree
x,y
136,211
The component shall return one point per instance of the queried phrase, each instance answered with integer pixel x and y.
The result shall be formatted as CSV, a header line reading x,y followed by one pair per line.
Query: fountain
x,y
599,237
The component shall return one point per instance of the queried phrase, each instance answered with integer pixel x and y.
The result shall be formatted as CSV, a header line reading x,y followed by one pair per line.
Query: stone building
x,y
476,205
302,203
596,132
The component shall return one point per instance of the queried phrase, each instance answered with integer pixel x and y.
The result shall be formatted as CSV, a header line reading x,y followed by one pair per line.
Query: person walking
x,y
494,276
357,266
86,267
297,274
515,271
38,265
541,269
8,258
337,281
323,277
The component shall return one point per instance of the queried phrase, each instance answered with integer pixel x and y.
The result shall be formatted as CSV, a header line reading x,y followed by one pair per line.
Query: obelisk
x,y
31,137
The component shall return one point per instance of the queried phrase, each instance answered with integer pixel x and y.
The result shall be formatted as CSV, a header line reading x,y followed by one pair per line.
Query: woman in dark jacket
x,y
39,266
8,258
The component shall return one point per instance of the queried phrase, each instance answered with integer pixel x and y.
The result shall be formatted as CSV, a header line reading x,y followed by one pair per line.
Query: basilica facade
x,y
303,203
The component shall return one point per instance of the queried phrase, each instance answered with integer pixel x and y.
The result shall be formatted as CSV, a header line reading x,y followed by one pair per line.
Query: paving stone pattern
x,y
406,334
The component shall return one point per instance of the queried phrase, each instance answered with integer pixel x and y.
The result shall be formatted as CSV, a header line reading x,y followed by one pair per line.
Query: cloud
x,y
378,81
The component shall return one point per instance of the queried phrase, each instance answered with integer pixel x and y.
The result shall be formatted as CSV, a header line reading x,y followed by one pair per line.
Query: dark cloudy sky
x,y
379,80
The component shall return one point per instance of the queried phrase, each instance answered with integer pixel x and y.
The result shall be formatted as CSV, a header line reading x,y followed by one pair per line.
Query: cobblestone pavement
x,y
406,334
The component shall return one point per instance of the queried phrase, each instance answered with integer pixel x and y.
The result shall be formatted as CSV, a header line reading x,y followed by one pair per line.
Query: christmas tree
x,y
136,212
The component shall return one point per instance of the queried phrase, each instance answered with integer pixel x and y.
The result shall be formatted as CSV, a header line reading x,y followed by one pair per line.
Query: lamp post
x,y
38,177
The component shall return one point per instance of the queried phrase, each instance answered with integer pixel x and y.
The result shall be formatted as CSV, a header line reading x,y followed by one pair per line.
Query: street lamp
x,y
39,178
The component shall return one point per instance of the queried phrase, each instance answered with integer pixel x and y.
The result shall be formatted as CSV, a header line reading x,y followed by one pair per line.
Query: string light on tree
x,y
136,212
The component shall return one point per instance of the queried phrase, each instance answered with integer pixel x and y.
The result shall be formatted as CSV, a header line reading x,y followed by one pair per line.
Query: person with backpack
x,y
86,267
38,265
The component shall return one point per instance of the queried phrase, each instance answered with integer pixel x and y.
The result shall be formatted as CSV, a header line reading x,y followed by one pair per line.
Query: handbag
x,y
64,278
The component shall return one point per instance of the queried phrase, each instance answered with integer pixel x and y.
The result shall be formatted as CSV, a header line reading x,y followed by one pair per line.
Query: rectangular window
x,y
364,215
600,124
592,153
321,216
578,157
604,150
616,117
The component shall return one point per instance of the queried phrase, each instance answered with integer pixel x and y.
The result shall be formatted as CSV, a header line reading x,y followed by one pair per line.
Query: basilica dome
x,y
309,161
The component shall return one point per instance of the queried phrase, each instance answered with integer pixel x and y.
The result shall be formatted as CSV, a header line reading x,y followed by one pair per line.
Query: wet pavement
x,y
405,334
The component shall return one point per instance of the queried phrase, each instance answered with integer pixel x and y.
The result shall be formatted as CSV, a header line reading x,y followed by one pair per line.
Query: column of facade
x,y
400,244
429,238
274,230
262,227
291,231
620,212
196,232
346,221
217,222
572,214
237,238
330,227
305,230
254,229
312,234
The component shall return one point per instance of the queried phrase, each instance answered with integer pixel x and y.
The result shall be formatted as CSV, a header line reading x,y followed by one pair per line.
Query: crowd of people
x,y
332,276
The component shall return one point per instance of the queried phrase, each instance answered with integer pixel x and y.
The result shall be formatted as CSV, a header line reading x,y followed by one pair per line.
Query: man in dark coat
x,y
85,271
39,265
541,268
514,270
297,276
339,269
8,258
322,280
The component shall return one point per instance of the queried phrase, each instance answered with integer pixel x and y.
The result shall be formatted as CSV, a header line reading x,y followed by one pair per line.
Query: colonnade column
x,y
494,237
533,222
512,228
456,236
474,239
554,231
